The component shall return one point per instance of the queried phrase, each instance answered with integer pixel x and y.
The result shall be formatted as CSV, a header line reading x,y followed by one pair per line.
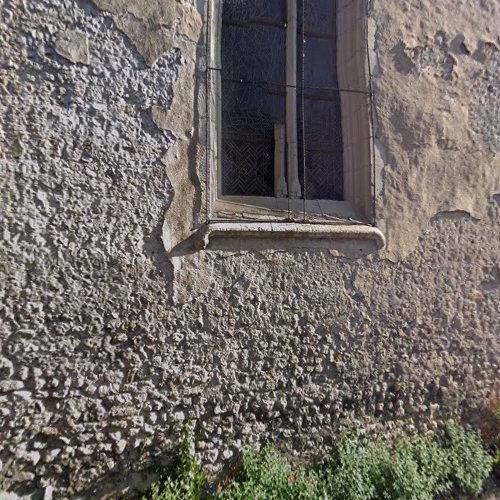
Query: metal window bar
x,y
278,88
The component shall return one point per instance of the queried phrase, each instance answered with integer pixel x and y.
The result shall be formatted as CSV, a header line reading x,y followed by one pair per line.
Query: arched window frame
x,y
358,158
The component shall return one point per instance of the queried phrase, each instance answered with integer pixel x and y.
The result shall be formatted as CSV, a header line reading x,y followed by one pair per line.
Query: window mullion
x,y
294,189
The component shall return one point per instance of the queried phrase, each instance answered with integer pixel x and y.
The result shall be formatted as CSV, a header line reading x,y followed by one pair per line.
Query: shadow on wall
x,y
347,248
185,202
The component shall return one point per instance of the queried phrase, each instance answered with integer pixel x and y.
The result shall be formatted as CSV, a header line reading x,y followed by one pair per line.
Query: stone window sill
x,y
288,231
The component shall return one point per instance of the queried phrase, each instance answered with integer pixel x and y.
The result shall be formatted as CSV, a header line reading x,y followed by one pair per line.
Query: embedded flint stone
x,y
73,46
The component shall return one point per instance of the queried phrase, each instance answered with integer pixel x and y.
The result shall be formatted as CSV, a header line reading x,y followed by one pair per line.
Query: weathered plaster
x,y
154,27
180,160
437,101
101,160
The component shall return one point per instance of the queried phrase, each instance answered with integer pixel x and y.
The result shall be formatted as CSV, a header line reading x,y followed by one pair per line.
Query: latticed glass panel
x,y
253,53
253,93
321,123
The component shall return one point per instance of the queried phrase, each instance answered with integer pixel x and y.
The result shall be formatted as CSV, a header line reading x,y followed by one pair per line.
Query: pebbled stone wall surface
x,y
109,345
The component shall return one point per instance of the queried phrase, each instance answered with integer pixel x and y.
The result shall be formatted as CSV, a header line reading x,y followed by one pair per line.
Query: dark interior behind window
x,y
253,54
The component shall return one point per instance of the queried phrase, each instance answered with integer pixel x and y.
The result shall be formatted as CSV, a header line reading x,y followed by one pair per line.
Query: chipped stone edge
x,y
287,230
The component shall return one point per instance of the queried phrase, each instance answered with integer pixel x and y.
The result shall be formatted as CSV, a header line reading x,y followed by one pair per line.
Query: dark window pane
x,y
253,97
321,125
253,93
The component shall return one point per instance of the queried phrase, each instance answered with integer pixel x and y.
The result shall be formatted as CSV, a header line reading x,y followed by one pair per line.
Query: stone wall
x,y
108,345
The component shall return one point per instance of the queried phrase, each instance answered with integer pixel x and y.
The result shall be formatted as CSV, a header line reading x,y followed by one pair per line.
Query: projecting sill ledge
x,y
294,231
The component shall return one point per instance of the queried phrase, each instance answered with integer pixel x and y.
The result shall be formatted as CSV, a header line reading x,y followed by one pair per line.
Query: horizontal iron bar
x,y
284,85
276,24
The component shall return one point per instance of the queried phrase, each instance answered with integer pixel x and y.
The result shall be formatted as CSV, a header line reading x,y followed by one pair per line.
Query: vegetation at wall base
x,y
183,481
416,468
490,429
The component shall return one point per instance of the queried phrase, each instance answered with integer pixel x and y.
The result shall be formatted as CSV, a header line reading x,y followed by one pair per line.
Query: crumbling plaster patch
x,y
155,28
429,147
434,123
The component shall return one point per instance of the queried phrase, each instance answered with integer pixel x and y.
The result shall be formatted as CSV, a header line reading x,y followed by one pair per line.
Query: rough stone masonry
x,y
108,344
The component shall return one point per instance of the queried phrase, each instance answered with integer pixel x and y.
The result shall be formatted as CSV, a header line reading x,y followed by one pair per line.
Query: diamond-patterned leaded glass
x,y
253,53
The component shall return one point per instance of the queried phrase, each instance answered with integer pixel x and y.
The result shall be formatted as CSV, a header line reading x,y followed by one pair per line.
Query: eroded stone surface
x,y
99,161
74,46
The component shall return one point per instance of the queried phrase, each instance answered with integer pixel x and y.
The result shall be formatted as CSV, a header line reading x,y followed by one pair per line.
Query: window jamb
x,y
353,73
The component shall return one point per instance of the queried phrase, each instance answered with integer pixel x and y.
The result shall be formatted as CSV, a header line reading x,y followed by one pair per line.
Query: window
x,y
288,114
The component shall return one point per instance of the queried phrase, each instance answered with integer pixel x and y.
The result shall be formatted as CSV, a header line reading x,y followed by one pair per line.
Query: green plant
x,y
417,468
490,421
469,463
186,480
356,470
267,475
490,428
496,458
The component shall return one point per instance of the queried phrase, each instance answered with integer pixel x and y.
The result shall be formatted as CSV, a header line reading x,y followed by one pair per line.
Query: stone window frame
x,y
353,218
